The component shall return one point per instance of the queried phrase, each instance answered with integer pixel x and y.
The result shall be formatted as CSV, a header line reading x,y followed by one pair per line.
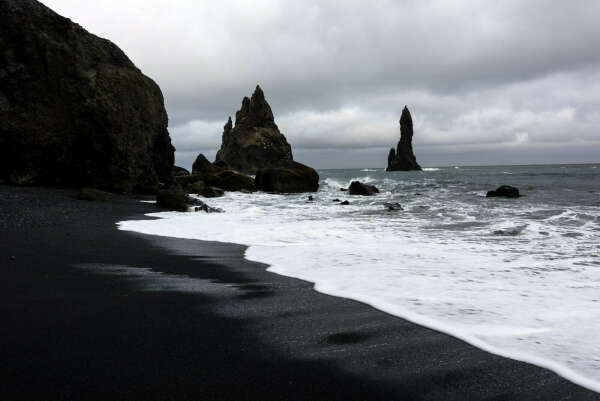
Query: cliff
x,y
74,109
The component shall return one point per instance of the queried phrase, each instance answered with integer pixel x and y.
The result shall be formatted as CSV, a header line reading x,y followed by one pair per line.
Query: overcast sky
x,y
487,82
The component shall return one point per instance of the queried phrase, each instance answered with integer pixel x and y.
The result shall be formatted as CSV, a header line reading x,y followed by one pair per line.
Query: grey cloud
x,y
508,78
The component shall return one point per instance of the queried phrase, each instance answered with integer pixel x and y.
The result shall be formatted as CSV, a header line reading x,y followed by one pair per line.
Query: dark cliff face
x,y
74,110
403,158
255,141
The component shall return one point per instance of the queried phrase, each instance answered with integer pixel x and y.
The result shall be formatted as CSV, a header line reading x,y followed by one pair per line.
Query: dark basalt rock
x,y
220,164
208,209
505,191
230,181
74,109
198,206
358,188
196,187
294,177
226,180
184,181
255,141
176,199
393,206
202,165
172,199
211,192
345,203
403,159
177,171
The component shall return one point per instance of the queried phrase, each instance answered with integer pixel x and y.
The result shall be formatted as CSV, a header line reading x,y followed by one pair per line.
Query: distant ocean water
x,y
517,277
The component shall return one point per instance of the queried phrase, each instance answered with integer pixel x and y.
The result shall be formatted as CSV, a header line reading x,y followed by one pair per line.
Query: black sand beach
x,y
74,329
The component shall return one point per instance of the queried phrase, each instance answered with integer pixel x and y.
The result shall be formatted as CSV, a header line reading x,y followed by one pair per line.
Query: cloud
x,y
476,75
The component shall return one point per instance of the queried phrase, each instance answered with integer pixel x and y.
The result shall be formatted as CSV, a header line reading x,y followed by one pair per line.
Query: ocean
x,y
516,277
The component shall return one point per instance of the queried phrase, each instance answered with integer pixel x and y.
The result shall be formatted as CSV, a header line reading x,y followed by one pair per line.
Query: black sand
x,y
238,333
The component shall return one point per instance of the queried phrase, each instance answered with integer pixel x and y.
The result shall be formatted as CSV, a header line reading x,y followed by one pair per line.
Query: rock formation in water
x,y
74,109
255,141
403,158
358,188
504,191
290,177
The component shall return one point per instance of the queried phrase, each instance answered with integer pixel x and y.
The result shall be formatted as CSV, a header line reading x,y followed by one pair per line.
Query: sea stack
x,y
75,110
255,141
403,159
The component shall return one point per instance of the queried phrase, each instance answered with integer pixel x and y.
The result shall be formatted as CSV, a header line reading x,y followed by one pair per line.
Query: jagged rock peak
x,y
255,141
403,158
255,111
406,127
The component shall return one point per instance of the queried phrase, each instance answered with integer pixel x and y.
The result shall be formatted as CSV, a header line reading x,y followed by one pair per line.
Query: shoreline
x,y
236,332
424,321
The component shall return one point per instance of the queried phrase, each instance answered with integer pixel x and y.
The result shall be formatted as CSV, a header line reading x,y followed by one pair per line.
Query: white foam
x,y
526,296
431,169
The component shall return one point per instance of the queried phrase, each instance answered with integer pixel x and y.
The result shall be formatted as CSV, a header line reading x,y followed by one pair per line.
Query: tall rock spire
x,y
403,158
255,141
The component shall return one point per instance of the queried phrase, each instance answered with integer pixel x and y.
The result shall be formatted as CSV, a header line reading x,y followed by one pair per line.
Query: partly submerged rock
x,y
176,199
255,141
505,191
172,199
293,177
74,109
403,158
208,209
393,206
358,188
198,206
345,203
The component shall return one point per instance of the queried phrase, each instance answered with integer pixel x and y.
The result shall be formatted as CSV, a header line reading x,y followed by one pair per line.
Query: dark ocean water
x,y
518,277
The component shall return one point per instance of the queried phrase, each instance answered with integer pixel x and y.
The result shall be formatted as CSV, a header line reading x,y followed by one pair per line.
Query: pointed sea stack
x,y
403,159
255,141
75,110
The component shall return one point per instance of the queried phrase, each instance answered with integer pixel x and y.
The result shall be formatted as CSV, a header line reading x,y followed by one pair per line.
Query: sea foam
x,y
531,293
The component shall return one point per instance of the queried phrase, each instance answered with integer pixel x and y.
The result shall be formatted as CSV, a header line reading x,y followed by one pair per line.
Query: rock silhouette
x,y
293,177
202,165
255,141
74,109
403,158
358,188
504,191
